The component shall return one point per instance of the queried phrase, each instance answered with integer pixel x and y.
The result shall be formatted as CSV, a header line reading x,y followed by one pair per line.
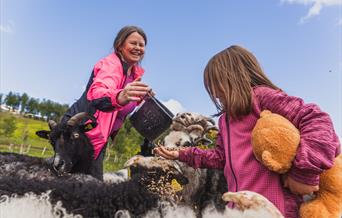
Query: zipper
x,y
230,154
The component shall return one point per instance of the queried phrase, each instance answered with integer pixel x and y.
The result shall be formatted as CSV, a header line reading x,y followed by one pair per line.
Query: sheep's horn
x,y
195,127
76,118
211,128
210,120
52,124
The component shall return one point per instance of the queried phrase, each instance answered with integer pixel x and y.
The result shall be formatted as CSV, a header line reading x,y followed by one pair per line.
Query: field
x,y
24,140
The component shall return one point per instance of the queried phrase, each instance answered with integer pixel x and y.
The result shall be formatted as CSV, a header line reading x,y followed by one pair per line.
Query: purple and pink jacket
x,y
319,145
100,99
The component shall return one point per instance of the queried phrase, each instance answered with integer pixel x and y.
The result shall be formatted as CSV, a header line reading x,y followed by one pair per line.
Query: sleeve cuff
x,y
182,156
304,177
114,100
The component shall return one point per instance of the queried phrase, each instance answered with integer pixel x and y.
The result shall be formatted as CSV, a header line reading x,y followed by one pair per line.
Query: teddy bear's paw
x,y
272,164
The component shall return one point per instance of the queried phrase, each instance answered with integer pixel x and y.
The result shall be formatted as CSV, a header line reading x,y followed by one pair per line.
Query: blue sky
x,y
48,48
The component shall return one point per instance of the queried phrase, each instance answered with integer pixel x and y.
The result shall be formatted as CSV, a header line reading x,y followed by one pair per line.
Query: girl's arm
x,y
199,158
319,144
210,158
196,157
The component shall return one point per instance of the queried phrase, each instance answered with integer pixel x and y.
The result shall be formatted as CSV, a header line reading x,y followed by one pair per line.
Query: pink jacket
x,y
318,147
108,81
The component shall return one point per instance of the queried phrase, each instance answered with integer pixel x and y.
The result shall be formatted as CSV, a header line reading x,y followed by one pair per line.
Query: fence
x,y
47,151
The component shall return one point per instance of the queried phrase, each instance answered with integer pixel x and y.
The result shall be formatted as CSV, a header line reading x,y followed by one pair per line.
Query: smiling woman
x,y
113,91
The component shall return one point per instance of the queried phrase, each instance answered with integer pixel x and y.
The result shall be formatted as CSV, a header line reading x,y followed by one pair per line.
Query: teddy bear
x,y
275,141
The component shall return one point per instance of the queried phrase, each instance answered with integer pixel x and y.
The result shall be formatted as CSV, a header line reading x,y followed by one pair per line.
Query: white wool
x,y
32,206
116,177
38,206
176,138
172,211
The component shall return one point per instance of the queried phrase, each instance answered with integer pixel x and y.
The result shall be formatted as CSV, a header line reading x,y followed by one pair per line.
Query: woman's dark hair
x,y
124,33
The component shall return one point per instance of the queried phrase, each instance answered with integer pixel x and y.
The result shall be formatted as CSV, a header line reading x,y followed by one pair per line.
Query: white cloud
x,y
8,28
315,6
174,106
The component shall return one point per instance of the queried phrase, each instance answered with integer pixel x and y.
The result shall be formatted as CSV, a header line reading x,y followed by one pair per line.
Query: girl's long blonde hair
x,y
230,76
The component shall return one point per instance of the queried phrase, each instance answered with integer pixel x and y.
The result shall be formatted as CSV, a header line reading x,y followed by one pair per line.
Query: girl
x,y
240,90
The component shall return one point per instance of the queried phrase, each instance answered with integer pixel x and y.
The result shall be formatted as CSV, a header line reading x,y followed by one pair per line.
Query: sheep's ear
x,y
43,134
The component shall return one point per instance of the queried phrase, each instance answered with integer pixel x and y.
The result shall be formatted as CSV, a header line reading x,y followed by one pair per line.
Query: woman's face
x,y
133,48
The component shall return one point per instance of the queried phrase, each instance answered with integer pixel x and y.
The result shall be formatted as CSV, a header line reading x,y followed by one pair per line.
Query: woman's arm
x,y
105,86
106,91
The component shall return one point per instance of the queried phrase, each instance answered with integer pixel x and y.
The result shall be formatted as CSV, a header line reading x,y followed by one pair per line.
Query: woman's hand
x,y
133,91
162,151
298,187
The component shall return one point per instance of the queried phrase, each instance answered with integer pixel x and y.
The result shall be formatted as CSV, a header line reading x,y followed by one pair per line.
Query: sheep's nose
x,y
58,163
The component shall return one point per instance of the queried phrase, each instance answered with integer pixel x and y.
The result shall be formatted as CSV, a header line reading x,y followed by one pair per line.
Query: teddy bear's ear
x,y
264,113
270,163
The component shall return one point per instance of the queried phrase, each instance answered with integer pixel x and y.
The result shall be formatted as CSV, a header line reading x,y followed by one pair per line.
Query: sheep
x,y
153,190
73,150
84,195
207,185
189,129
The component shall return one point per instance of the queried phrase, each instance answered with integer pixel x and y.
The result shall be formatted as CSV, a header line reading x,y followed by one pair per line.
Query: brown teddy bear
x,y
275,141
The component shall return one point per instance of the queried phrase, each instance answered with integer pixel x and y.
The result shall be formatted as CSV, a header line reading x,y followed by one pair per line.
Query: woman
x,y
113,90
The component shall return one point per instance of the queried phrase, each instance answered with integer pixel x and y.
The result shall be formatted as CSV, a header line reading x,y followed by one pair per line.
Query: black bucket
x,y
152,118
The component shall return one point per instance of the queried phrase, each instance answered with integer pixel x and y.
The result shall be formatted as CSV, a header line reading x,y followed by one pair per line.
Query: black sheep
x,y
82,194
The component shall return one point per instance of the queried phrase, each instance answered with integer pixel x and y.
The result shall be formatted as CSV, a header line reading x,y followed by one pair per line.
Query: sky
x,y
48,48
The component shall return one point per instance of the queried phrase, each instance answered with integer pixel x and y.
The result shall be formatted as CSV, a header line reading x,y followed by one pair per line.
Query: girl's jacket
x,y
318,147
100,98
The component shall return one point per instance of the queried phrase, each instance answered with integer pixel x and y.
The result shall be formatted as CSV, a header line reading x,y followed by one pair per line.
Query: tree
x,y
23,102
32,106
1,95
8,126
13,100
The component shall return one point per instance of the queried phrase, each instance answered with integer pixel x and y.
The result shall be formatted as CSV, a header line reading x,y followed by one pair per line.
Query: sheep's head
x,y
70,144
159,175
189,129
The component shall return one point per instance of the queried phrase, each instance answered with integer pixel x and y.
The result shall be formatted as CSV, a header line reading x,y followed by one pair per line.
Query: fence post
x,y
10,147
27,149
44,149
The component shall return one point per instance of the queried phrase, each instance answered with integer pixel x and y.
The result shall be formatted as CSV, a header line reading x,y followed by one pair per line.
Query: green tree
x,y
8,126
23,102
32,106
1,95
13,100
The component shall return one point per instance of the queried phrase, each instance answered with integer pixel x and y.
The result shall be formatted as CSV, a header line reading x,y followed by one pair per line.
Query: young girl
x,y
240,90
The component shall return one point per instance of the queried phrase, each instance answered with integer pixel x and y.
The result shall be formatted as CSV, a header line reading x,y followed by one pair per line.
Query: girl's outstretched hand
x,y
298,187
162,151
